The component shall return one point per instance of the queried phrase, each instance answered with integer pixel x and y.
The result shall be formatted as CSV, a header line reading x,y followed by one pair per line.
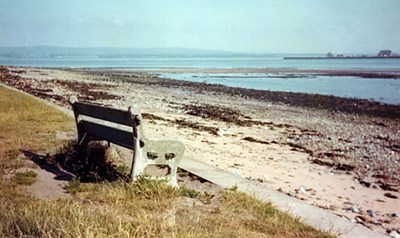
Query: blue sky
x,y
279,26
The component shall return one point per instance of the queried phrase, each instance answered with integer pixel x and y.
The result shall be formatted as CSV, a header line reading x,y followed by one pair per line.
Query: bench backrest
x,y
105,131
103,113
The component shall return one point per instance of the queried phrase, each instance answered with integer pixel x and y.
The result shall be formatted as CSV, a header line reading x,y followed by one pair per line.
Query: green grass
x,y
25,178
26,123
143,208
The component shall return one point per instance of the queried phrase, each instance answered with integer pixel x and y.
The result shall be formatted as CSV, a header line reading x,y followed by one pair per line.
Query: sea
x,y
383,90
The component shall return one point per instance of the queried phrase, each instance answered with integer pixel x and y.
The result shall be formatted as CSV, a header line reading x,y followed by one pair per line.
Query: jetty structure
x,y
383,54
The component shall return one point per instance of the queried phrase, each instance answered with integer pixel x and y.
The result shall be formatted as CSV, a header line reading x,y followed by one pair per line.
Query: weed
x,y
233,188
12,154
123,169
25,178
153,188
190,193
74,186
204,197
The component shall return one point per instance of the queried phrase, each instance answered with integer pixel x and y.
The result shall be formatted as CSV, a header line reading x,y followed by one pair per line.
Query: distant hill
x,y
108,52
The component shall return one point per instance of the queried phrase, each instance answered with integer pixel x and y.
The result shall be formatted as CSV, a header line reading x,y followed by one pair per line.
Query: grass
x,y
25,178
28,124
25,125
143,208
149,208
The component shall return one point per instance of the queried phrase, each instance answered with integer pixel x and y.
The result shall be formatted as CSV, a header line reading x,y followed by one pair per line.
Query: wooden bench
x,y
124,128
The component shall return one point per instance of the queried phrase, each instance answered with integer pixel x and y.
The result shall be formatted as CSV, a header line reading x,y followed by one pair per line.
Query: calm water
x,y
381,90
206,63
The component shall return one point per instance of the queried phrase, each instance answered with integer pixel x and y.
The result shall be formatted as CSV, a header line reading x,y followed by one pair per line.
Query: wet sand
x,y
336,153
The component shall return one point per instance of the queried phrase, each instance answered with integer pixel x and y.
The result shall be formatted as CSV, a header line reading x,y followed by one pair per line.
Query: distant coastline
x,y
383,54
343,57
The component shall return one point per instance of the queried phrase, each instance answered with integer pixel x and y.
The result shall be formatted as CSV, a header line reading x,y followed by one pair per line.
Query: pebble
x,y
348,203
354,209
396,214
371,213
302,190
390,195
221,132
375,186
363,219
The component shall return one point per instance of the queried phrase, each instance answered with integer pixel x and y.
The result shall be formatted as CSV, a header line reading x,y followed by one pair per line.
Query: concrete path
x,y
311,215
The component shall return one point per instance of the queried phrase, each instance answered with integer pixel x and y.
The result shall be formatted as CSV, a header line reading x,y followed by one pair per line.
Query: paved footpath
x,y
308,214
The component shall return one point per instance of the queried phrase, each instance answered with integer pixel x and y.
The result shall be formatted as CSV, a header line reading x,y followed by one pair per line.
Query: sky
x,y
253,26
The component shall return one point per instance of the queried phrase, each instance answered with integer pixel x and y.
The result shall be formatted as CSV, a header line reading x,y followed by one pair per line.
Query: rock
x,y
396,214
394,234
365,183
363,219
354,209
348,203
290,194
371,213
266,177
221,132
302,190
390,195
375,186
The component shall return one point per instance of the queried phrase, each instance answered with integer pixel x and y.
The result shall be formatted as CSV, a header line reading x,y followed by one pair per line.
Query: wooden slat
x,y
113,135
103,113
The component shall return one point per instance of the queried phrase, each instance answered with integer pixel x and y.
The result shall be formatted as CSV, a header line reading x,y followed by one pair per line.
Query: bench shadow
x,y
71,161
41,161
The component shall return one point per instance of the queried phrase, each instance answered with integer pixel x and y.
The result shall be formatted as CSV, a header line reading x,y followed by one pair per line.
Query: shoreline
x,y
362,73
306,146
390,73
317,101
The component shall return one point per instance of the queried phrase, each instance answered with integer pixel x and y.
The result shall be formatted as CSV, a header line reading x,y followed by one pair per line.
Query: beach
x,y
335,153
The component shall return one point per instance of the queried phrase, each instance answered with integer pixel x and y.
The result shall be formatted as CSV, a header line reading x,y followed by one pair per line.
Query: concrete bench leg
x,y
159,152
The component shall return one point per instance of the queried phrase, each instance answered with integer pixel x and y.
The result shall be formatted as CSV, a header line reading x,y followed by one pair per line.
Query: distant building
x,y
385,53
329,55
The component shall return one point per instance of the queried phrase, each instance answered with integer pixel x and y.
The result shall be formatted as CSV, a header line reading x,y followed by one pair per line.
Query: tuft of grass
x,y
73,186
204,197
123,169
233,188
25,178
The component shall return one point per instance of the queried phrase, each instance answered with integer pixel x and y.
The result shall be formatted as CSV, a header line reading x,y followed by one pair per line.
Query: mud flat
x,y
335,153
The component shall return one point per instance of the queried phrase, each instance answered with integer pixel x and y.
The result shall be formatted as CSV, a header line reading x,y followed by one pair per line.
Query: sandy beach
x,y
335,153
